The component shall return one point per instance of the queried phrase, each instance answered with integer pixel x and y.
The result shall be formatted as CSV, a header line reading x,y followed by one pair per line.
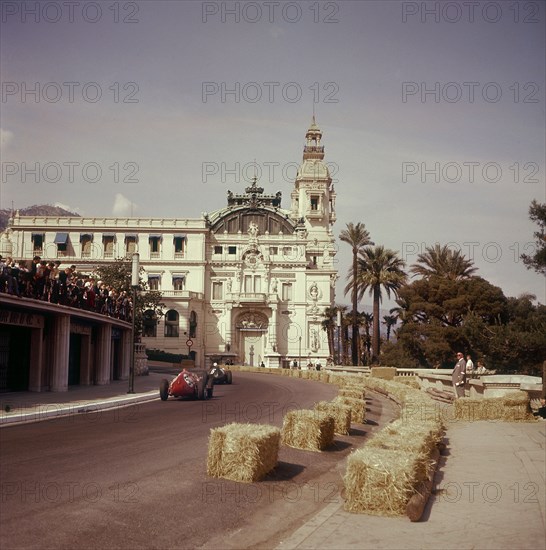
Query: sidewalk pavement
x,y
489,494
36,406
489,487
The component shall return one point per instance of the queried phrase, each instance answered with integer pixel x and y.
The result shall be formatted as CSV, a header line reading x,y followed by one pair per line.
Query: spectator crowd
x,y
48,282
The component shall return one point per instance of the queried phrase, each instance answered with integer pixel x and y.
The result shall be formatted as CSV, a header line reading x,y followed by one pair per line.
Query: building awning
x,y
154,276
178,277
180,236
108,235
86,236
130,235
155,236
34,235
61,238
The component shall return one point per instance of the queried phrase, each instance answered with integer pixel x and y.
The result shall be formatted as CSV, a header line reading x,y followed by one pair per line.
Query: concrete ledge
x,y
46,411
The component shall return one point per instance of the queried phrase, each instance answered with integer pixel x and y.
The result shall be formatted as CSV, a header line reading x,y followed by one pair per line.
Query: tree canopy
x,y
357,237
118,276
537,260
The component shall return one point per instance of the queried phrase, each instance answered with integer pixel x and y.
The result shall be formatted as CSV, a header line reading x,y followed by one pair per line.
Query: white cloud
x,y
123,206
6,137
74,209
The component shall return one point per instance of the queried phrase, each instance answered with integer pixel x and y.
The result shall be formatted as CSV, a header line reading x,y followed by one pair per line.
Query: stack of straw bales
x,y
354,391
392,474
358,407
411,381
243,452
512,407
411,436
339,412
307,429
380,481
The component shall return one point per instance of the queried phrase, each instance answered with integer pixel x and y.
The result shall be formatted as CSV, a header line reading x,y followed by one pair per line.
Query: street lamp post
x,y
299,355
135,268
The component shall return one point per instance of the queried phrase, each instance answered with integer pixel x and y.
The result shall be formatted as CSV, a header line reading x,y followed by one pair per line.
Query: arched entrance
x,y
252,333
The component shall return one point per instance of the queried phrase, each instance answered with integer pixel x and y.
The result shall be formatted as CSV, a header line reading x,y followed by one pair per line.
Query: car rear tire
x,y
228,377
164,389
210,387
202,392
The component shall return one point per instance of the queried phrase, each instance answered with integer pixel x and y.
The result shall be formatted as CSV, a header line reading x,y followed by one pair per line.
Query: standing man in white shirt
x,y
469,366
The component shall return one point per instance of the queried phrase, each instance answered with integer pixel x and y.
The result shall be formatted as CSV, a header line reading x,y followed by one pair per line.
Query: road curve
x,y
135,477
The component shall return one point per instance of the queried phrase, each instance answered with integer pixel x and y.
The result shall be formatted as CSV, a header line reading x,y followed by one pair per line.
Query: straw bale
x,y
386,373
340,413
416,504
382,481
307,429
410,381
358,407
305,374
355,386
325,377
419,437
243,452
351,391
511,407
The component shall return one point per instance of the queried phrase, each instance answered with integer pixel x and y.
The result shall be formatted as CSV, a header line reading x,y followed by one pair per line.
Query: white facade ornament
x,y
253,233
314,292
313,339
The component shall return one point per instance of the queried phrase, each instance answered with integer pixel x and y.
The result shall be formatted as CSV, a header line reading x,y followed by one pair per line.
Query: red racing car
x,y
198,385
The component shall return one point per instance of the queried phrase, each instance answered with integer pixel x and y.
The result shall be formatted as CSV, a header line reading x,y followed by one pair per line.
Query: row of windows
x,y
171,324
63,245
178,282
252,284
286,251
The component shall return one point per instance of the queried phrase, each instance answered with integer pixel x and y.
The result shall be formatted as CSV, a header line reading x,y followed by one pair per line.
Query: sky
x,y
432,113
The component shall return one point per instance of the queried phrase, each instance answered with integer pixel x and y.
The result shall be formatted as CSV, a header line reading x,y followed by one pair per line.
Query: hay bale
x,y
512,407
382,481
351,391
355,387
325,377
411,381
416,504
340,413
306,429
358,407
411,437
385,373
243,452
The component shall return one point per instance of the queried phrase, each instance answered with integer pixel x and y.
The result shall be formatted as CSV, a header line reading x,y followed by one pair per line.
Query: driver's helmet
x,y
215,364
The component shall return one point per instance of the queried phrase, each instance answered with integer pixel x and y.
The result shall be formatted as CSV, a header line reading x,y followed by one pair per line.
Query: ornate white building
x,y
248,282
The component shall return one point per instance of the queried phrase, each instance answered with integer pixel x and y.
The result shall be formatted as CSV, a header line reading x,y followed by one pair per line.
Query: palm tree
x,y
357,237
379,268
389,321
444,262
329,324
400,312
366,320
346,322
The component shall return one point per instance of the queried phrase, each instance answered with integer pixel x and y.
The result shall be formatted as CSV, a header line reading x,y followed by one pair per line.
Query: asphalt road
x,y
135,477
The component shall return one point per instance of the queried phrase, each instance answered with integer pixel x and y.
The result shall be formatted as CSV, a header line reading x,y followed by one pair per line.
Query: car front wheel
x,y
164,389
